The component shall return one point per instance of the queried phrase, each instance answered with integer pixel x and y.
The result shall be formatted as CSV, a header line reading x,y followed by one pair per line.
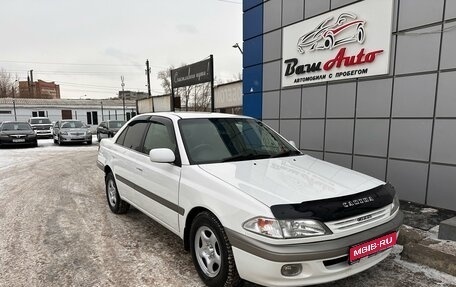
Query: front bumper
x,y
10,142
314,257
69,138
43,134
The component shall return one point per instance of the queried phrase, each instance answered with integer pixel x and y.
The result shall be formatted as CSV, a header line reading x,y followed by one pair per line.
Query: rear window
x,y
116,124
40,121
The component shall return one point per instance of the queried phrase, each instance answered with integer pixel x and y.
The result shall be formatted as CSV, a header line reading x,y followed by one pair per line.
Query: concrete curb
x,y
420,249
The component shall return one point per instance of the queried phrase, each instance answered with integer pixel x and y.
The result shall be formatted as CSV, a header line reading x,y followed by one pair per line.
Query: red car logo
x,y
326,35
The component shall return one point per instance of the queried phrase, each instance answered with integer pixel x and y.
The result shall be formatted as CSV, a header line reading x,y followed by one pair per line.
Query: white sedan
x,y
246,203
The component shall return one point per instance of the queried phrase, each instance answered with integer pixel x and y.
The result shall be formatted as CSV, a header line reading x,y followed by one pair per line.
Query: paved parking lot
x,y
57,230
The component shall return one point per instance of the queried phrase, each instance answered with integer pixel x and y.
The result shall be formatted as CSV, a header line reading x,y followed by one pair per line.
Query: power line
x,y
228,1
79,64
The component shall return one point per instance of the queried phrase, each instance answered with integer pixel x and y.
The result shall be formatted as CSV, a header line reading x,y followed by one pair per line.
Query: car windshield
x,y
218,140
72,125
16,127
116,124
40,121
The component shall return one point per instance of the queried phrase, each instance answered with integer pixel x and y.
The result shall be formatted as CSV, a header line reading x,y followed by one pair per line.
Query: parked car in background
x,y
67,131
107,129
246,203
17,133
42,126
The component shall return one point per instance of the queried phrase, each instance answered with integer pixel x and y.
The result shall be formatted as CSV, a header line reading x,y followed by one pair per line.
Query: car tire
x,y
116,204
211,252
35,144
89,142
59,141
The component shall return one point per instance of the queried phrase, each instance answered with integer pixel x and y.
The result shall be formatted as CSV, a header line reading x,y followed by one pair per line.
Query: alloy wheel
x,y
207,250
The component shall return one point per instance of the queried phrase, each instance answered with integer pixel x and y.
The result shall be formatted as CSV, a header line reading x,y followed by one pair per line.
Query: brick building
x,y
39,90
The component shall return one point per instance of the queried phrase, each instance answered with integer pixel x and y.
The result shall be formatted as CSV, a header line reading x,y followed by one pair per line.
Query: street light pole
x,y
123,95
237,46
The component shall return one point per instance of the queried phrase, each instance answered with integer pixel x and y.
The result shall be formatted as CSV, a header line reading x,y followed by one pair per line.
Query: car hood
x,y
291,179
81,130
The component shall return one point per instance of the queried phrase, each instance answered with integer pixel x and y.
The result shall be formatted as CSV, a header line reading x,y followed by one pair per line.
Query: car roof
x,y
39,118
195,115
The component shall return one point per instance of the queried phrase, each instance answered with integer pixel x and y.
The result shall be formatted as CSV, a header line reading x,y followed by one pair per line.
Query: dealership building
x,y
369,85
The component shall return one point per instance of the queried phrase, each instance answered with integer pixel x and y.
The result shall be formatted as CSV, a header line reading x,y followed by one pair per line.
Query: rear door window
x,y
134,136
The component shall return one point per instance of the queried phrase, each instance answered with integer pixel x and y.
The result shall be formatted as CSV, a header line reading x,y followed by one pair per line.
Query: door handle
x,y
140,169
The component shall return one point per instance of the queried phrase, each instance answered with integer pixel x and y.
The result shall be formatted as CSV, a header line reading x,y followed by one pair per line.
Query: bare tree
x,y
165,78
202,97
184,93
7,84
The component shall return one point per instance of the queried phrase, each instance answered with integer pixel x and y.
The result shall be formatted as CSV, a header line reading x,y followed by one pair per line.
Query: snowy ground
x,y
56,230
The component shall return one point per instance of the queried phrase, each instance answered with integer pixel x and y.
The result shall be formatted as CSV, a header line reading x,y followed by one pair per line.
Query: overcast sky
x,y
86,45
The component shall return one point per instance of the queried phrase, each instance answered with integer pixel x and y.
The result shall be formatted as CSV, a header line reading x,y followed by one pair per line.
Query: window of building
x,y
66,115
92,118
39,113
130,115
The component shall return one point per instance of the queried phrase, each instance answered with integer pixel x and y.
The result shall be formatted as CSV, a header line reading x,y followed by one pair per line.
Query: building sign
x,y
351,42
193,74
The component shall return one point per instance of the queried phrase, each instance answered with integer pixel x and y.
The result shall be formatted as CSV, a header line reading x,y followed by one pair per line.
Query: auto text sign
x,y
350,42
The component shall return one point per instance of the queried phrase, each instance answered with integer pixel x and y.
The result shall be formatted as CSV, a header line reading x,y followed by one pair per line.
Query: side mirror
x,y
293,144
162,155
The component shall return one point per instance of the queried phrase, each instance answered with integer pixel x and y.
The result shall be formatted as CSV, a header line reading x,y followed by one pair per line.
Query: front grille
x,y
359,220
77,134
40,128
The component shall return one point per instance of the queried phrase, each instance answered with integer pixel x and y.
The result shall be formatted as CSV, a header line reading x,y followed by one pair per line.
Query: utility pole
x,y
212,84
31,83
122,79
29,86
148,85
148,77
14,103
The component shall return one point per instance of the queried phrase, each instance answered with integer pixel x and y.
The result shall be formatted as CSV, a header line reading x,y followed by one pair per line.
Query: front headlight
x,y
64,133
302,228
264,226
296,228
395,204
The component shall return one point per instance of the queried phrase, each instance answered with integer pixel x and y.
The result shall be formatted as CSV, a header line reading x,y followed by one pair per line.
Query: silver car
x,y
67,131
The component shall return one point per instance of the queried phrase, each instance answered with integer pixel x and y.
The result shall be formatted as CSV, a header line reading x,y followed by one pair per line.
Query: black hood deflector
x,y
337,208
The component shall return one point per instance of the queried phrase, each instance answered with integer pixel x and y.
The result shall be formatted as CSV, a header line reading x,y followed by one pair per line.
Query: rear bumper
x,y
313,257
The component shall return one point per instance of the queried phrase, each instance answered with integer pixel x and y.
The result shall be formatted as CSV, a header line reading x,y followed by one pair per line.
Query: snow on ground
x,y
418,268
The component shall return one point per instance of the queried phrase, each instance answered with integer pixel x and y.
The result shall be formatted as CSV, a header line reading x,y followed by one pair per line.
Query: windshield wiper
x,y
248,156
287,153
